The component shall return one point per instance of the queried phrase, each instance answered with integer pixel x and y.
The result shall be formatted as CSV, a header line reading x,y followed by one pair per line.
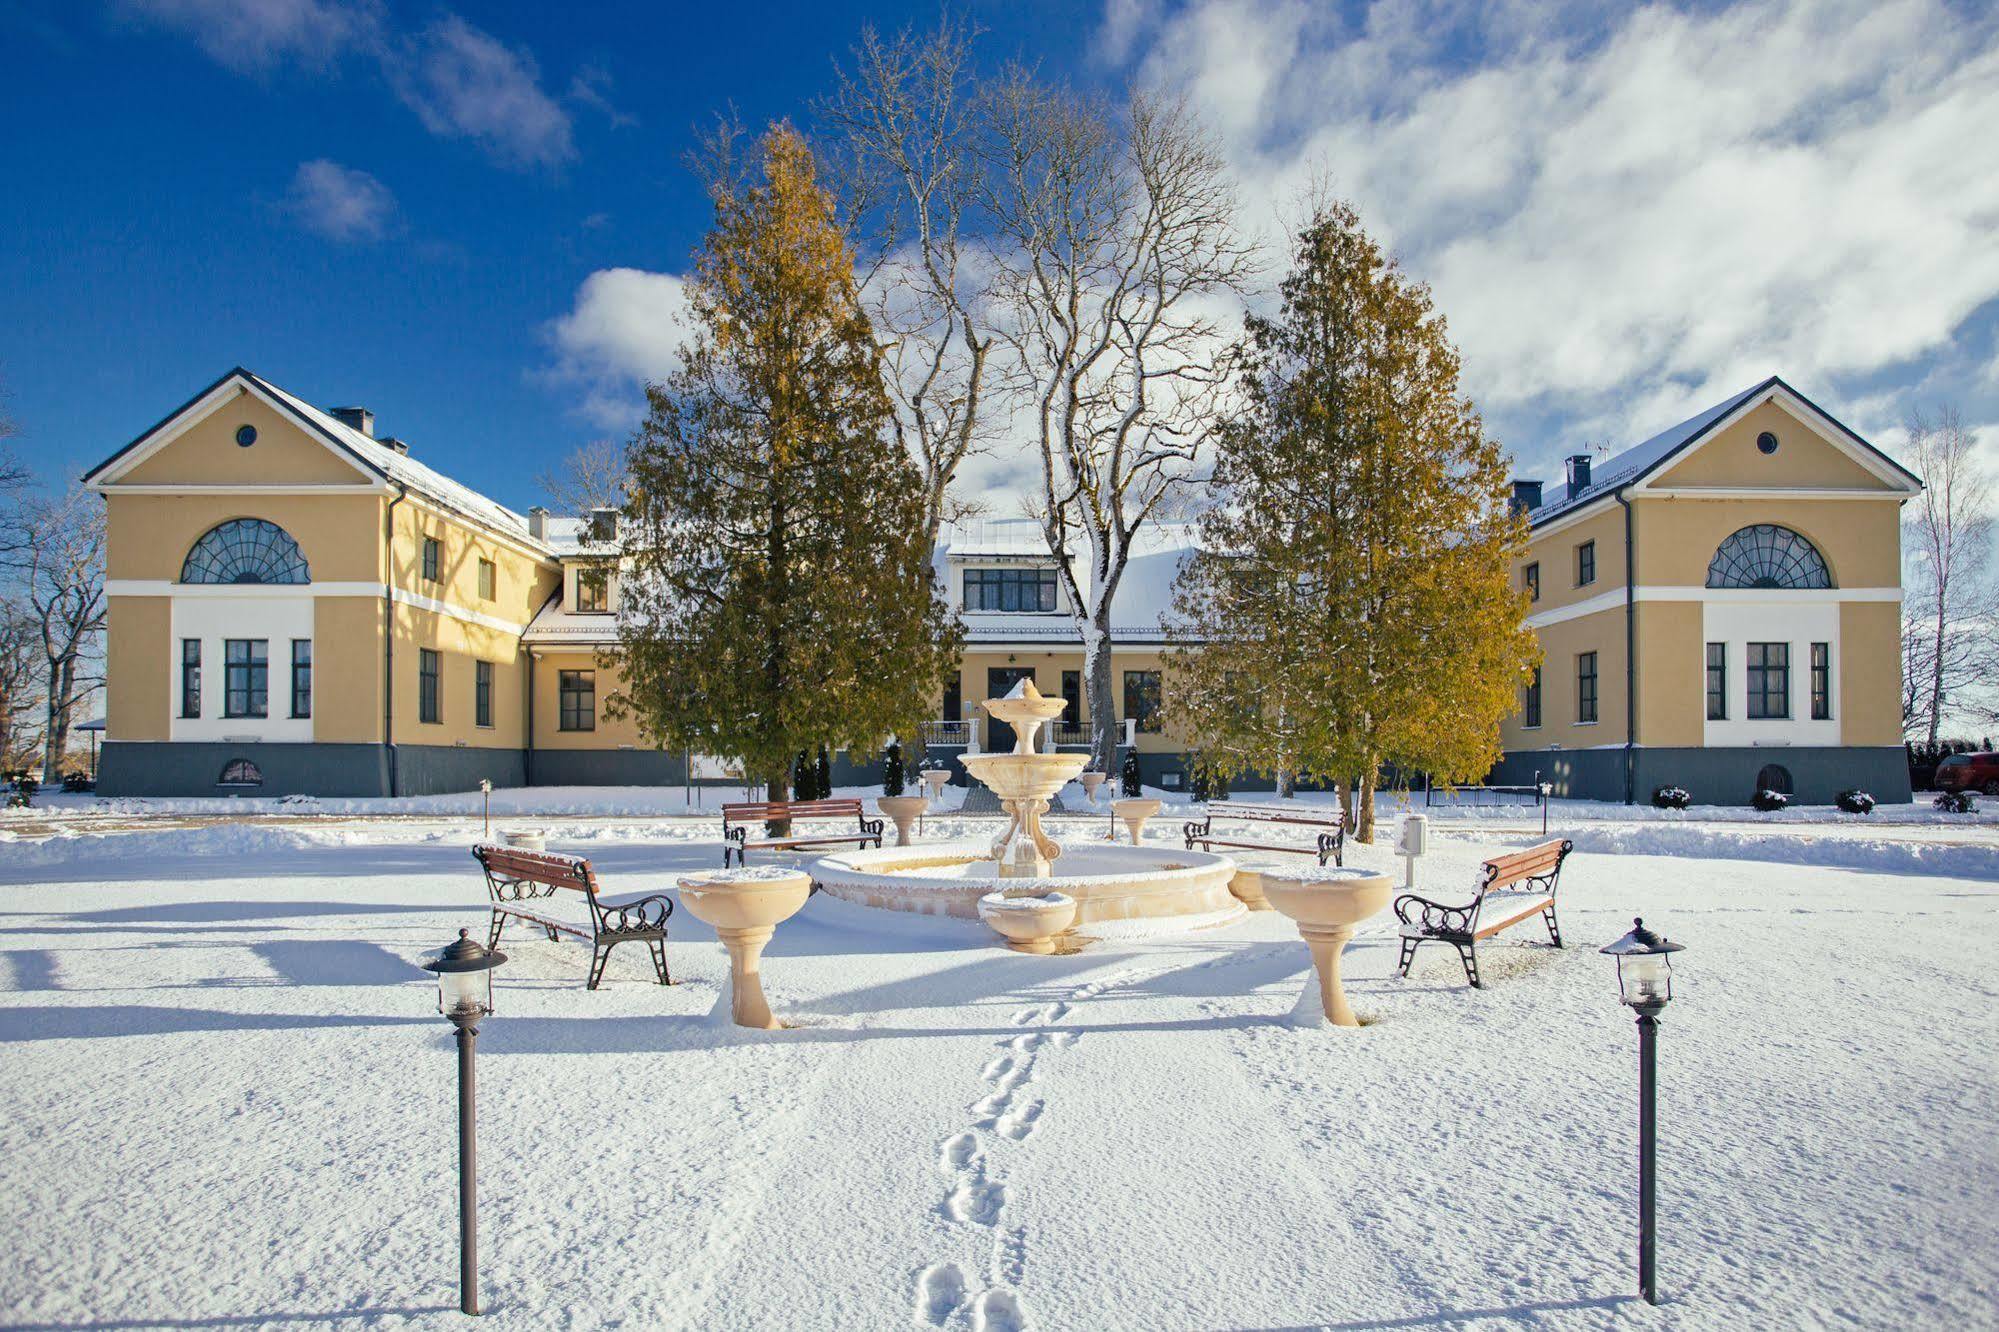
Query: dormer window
x,y
593,590
1031,590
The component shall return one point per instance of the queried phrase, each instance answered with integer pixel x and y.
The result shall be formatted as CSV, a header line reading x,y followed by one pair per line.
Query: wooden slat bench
x,y
514,877
737,818
1329,845
1511,888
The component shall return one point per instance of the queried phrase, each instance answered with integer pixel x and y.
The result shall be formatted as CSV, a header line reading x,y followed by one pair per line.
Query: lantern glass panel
x,y
1646,978
460,991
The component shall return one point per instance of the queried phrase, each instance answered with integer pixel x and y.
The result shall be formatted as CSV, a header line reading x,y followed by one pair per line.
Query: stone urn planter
x,y
1247,886
1029,924
1327,903
1091,781
905,810
745,906
528,839
1133,812
934,781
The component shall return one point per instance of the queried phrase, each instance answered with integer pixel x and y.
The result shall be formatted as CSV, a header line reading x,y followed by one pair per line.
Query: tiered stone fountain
x,y
1114,888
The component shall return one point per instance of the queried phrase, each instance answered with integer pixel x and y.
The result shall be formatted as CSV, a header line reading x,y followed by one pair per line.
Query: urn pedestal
x,y
745,907
1327,904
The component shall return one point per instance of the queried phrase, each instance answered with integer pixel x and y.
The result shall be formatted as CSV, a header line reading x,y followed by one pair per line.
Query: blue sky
x,y
460,218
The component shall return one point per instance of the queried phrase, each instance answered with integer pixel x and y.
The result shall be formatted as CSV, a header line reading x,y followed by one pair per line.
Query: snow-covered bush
x,y
1770,801
893,777
1856,802
1957,802
1128,777
1671,797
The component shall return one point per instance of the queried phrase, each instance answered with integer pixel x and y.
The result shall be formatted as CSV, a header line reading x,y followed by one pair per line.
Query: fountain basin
x,y
1117,889
1028,924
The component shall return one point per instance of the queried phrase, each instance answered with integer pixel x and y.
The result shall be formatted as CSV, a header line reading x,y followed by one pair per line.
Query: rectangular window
x,y
431,559
1031,590
1821,682
301,677
1586,687
482,693
488,580
429,694
246,677
593,590
1586,564
1532,707
1717,681
190,677
1141,699
1769,672
1072,697
1533,578
577,700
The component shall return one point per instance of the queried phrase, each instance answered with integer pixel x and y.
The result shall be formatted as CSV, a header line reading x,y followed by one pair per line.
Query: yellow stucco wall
x,y
1803,458
1603,633
136,701
207,454
609,733
346,670
1860,539
150,535
1870,681
1556,554
1672,673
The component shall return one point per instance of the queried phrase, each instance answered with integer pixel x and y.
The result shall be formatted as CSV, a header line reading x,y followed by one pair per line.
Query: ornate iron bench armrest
x,y
1196,831
640,913
1332,844
1435,917
872,827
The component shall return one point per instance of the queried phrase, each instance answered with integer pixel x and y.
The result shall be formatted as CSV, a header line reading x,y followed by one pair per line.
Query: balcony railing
x,y
969,733
946,732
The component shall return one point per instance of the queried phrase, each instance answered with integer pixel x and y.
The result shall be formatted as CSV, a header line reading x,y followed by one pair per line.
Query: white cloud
x,y
463,82
339,203
1624,222
255,36
626,328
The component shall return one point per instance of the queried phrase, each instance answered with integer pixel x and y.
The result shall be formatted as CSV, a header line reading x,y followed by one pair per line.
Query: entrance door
x,y
1000,681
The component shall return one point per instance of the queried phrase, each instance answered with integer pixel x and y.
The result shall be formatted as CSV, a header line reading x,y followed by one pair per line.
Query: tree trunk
x,y
1345,789
1097,689
1936,665
1368,774
1286,784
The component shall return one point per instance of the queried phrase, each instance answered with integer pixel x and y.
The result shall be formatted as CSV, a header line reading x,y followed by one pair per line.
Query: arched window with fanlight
x,y
245,550
240,772
1768,556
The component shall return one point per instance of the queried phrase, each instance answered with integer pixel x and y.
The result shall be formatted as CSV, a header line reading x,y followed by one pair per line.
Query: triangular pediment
x,y
1778,440
203,445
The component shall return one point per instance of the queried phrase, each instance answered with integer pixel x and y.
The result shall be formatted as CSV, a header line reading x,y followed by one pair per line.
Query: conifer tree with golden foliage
x,y
1351,604
779,596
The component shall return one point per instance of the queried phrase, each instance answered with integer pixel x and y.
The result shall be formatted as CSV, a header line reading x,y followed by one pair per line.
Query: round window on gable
x,y
246,435
1766,442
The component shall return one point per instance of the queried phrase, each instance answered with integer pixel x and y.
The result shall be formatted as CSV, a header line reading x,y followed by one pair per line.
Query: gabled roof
x,y
1643,459
368,454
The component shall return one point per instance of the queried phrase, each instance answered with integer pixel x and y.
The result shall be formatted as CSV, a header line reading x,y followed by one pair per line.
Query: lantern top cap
x,y
1640,941
465,955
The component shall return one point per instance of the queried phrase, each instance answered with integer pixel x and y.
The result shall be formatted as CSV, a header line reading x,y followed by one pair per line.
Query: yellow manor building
x,y
297,605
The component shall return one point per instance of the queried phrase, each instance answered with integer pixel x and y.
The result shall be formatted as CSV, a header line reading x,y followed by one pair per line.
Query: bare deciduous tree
x,y
19,685
59,569
591,477
906,126
1118,248
1949,603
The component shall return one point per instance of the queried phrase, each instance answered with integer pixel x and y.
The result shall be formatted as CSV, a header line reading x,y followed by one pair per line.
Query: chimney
x,y
603,524
356,418
1526,496
1578,474
538,523
401,446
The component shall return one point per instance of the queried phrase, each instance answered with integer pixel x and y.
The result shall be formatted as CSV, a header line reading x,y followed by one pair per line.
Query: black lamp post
x,y
465,994
1645,981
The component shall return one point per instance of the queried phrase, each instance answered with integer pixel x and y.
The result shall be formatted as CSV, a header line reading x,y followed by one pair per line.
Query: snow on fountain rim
x,y
999,901
1320,873
874,867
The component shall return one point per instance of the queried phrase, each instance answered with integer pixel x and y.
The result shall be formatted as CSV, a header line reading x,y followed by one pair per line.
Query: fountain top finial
x,y
1023,688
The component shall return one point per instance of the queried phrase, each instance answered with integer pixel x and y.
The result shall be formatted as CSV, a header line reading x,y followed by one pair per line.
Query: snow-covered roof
x,y
571,537
402,468
555,623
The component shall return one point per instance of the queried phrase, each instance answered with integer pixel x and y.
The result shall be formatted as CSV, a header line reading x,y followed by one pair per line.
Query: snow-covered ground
x,y
228,1101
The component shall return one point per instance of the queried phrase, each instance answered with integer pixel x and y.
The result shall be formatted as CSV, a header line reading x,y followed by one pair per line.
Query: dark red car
x,y
1969,772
